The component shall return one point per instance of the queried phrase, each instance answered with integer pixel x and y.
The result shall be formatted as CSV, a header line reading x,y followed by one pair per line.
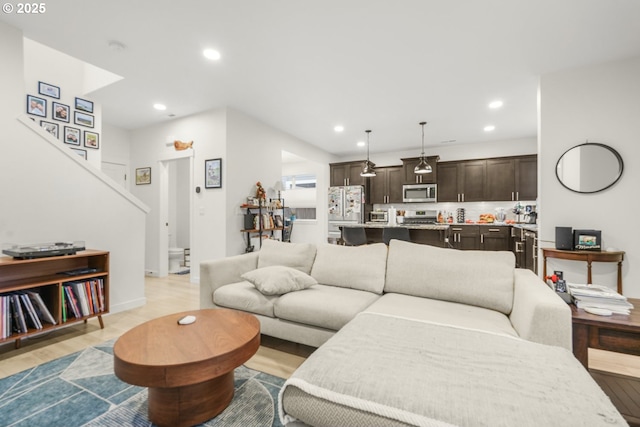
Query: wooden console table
x,y
588,257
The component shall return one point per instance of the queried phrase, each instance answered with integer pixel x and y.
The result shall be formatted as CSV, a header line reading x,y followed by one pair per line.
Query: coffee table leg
x,y
190,405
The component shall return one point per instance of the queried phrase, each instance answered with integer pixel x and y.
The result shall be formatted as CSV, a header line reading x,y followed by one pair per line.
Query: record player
x,y
41,250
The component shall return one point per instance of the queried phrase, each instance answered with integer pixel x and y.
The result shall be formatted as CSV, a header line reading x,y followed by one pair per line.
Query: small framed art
x,y
84,105
80,152
143,176
213,173
71,135
60,112
52,128
48,90
91,139
83,119
36,106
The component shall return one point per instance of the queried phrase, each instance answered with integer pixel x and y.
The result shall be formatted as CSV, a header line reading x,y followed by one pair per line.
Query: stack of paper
x,y
598,296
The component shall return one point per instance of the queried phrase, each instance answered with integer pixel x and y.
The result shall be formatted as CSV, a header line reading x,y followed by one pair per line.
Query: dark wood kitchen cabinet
x,y
462,181
346,173
464,237
494,238
386,186
512,178
410,177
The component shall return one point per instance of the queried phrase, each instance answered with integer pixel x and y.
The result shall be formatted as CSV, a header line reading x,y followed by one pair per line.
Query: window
x,y
293,182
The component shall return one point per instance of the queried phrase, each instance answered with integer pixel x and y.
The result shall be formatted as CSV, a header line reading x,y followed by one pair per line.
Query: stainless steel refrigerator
x,y
346,206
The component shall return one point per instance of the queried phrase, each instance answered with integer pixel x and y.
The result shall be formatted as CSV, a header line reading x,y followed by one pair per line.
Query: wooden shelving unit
x,y
260,210
43,275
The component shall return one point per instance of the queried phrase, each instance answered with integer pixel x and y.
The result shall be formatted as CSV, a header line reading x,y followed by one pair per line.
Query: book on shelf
x,y
72,302
20,324
41,307
30,317
598,296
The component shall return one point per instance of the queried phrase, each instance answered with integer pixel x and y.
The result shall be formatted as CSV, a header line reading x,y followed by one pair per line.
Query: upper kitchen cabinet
x,y
409,177
346,173
511,178
386,186
462,181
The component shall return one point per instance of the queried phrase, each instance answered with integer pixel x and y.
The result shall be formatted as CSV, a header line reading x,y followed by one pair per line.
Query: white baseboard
x,y
128,305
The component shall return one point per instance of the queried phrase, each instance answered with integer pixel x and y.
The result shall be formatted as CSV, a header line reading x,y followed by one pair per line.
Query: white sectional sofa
x,y
412,334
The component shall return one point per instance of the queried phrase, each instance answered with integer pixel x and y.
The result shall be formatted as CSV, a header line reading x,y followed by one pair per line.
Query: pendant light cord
x,y
422,124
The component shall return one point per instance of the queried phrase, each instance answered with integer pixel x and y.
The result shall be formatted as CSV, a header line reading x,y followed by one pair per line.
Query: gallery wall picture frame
x,y
60,112
83,119
36,106
80,152
213,173
84,105
91,139
71,135
143,176
48,90
52,128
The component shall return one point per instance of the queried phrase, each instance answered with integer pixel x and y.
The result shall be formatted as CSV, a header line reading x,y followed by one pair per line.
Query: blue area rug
x,y
82,390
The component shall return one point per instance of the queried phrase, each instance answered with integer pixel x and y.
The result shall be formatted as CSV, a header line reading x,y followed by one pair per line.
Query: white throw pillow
x,y
297,255
278,279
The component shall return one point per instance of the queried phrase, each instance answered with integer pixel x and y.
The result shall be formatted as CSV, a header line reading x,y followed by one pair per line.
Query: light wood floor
x,y
175,294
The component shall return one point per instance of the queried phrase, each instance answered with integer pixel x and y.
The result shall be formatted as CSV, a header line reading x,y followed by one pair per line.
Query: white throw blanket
x,y
429,374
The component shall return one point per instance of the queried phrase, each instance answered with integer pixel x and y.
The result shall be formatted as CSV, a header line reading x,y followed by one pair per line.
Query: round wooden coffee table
x,y
187,368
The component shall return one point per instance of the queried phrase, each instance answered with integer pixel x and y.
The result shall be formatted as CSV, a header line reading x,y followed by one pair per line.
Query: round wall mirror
x,y
589,168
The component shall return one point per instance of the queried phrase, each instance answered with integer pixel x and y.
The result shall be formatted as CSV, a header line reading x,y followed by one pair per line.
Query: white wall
x,y
69,74
155,143
50,194
598,103
255,154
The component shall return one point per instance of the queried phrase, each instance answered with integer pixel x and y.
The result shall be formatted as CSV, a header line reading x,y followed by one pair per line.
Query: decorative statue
x,y
260,193
179,145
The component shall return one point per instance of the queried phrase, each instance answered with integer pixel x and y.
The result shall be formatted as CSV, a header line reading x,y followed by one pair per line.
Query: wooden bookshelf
x,y
44,276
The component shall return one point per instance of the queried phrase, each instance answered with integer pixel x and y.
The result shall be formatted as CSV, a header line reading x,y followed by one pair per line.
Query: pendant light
x,y
368,170
423,166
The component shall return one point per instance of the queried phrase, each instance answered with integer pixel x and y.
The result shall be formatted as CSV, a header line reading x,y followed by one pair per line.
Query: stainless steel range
x,y
420,217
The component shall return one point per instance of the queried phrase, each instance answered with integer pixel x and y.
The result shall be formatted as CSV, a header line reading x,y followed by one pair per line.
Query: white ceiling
x,y
305,66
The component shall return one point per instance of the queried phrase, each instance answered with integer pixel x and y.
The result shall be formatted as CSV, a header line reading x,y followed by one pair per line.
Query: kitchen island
x,y
428,234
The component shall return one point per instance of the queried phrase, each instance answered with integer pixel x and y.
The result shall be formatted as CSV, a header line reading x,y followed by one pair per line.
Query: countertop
x,y
530,227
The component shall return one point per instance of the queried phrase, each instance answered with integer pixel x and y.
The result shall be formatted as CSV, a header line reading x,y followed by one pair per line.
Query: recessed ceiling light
x,y
160,107
489,128
339,128
211,54
496,104
361,143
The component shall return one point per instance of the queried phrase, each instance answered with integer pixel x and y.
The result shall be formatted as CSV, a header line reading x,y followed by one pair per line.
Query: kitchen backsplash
x,y
472,209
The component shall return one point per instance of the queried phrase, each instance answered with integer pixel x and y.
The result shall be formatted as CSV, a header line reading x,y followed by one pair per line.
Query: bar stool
x,y
354,236
398,233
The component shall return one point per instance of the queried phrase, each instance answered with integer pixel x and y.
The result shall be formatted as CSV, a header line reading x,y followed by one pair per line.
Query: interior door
x,y
117,172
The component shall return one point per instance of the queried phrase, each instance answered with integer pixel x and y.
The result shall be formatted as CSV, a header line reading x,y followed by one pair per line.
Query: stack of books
x,y
598,296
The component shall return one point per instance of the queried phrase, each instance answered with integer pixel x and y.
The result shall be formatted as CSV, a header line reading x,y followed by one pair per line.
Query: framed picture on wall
x,y
213,173
143,176
91,139
61,112
84,105
80,152
48,90
52,128
71,135
83,119
36,106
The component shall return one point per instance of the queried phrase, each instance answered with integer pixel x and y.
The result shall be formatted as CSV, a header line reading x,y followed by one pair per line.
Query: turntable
x,y
42,250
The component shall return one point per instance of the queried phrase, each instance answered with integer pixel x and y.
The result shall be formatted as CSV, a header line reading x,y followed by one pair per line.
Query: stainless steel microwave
x,y
419,193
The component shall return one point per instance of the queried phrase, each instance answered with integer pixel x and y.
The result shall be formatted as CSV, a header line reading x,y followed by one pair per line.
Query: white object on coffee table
x,y
598,311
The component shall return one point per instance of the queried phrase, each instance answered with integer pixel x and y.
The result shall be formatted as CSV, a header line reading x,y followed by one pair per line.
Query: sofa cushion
x,y
480,278
356,267
323,306
244,296
443,312
296,255
278,279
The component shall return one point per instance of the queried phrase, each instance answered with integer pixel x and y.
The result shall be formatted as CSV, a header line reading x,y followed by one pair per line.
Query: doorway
x,y
175,214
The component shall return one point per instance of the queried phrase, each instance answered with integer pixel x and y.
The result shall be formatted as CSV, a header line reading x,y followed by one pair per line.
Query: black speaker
x,y
249,221
564,238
